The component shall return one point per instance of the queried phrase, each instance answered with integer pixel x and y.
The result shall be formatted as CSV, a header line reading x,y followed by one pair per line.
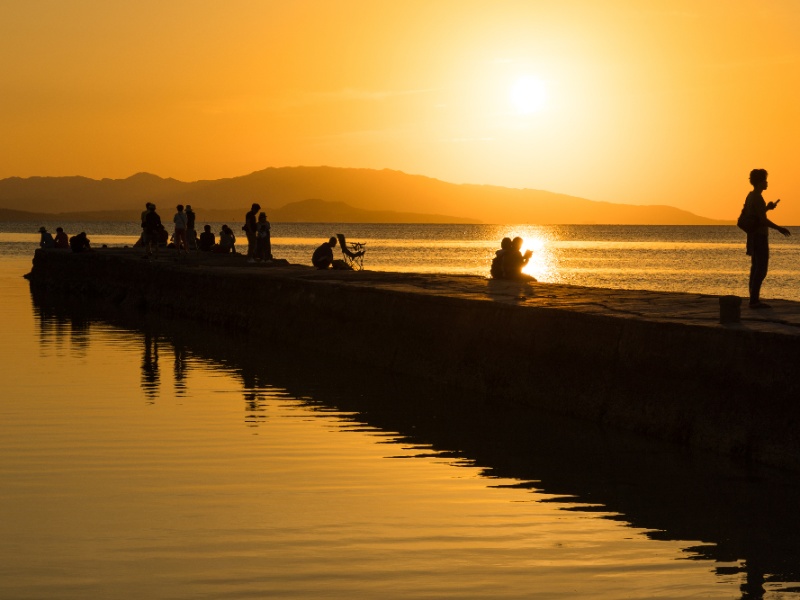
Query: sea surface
x,y
704,259
148,458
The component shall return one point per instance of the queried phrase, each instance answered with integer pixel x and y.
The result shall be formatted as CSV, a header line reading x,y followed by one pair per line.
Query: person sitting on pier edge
x,y
514,261
227,241
497,262
251,229
163,236
46,239
62,240
79,243
207,239
323,256
263,245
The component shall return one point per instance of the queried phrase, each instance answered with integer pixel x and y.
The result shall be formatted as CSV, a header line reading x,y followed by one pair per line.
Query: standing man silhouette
x,y
758,239
251,229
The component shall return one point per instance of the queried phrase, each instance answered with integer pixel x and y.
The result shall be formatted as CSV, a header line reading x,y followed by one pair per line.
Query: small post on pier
x,y
730,309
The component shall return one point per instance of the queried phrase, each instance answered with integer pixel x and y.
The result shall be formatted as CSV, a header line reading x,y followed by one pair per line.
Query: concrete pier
x,y
657,363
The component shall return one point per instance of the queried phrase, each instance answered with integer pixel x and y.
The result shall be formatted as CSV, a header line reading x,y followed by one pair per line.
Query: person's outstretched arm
x,y
778,228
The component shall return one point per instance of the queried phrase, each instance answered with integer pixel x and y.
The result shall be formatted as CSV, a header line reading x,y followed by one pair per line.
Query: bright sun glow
x,y
527,95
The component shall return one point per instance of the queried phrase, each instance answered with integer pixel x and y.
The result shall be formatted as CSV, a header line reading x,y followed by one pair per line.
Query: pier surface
x,y
658,363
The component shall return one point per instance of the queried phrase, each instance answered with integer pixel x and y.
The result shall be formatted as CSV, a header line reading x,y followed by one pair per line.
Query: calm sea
x,y
143,458
671,258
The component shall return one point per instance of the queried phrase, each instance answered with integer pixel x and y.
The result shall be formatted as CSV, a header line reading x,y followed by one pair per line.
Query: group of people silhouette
x,y
509,261
256,227
76,243
185,238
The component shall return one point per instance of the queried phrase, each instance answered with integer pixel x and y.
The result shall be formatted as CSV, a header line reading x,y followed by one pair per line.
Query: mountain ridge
x,y
340,189
304,211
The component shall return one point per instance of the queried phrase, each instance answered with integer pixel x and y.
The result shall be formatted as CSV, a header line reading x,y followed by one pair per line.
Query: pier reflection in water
x,y
498,502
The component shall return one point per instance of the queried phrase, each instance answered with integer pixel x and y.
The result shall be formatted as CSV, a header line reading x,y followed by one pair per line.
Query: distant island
x,y
319,194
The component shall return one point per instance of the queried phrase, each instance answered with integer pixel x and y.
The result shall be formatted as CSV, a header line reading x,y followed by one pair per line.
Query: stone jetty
x,y
661,364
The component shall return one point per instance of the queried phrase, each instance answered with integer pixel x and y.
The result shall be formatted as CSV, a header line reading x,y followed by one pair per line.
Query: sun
x,y
527,95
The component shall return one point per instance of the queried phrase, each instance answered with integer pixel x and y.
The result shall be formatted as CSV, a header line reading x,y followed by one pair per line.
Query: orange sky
x,y
657,102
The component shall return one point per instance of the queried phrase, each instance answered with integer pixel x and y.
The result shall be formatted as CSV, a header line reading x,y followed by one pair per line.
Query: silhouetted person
x,y
162,236
79,243
207,239
151,229
323,256
62,240
227,241
514,261
147,206
758,240
191,233
251,229
181,223
497,271
263,242
46,239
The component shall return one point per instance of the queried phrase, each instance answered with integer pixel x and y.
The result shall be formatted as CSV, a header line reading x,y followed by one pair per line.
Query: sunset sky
x,y
656,102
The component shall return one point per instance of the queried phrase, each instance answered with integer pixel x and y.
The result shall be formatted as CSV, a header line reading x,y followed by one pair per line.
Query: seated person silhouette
x,y
514,261
79,243
497,262
323,256
227,241
46,240
207,239
62,240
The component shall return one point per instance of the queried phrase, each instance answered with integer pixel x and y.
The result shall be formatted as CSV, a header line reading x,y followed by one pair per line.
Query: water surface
x,y
156,459
700,259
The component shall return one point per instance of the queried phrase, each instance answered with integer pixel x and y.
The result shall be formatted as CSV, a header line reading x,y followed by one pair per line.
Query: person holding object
x,y
758,238
514,261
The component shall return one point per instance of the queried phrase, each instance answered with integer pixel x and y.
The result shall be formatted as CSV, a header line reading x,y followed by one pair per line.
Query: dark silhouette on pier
x,y
322,258
755,214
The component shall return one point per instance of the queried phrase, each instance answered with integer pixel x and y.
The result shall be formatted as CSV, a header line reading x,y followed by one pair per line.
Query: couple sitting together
x,y
509,261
